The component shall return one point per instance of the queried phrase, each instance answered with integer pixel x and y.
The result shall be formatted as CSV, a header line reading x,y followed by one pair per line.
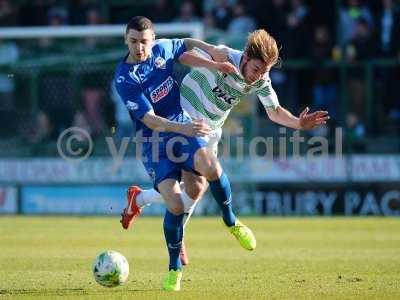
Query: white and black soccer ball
x,y
110,269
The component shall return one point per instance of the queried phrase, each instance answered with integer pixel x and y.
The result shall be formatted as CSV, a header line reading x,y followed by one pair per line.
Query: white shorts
x,y
214,137
212,140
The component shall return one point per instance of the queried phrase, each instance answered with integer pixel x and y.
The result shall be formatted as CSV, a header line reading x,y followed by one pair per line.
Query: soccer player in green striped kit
x,y
209,94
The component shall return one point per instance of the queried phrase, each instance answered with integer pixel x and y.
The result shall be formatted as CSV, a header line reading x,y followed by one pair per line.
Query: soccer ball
x,y
110,269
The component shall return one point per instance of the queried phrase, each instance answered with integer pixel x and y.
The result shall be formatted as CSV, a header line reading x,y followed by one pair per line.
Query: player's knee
x,y
212,175
207,165
196,190
176,208
174,203
211,171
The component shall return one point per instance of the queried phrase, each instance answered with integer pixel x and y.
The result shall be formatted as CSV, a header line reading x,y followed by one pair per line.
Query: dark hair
x,y
139,23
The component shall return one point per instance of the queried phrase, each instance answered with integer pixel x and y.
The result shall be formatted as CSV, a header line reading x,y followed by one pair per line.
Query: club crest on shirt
x,y
152,173
162,90
160,63
120,79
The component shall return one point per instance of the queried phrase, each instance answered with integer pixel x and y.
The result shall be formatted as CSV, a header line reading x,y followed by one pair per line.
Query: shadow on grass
x,y
67,291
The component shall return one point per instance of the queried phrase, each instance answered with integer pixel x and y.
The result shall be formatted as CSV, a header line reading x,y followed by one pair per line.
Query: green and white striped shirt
x,y
210,95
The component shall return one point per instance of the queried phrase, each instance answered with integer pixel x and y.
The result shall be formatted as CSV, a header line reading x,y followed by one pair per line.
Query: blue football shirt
x,y
150,85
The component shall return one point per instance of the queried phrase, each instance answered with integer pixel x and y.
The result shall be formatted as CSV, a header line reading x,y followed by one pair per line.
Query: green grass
x,y
299,258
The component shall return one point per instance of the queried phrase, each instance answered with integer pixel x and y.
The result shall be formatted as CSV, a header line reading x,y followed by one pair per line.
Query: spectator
x,y
241,23
93,109
57,16
9,53
93,17
187,13
362,44
209,22
222,14
361,48
355,132
391,103
298,29
388,29
324,90
40,129
348,17
57,100
209,5
388,45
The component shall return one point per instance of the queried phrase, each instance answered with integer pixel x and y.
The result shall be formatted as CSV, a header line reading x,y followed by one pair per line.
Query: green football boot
x,y
244,235
173,281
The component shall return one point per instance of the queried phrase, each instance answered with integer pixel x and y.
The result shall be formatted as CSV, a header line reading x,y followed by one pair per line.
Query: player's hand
x,y
309,121
219,54
196,128
226,67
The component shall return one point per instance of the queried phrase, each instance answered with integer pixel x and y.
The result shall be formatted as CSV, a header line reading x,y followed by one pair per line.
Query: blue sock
x,y
221,190
173,232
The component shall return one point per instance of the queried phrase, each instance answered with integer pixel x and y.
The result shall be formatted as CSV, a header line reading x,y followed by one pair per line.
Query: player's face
x,y
139,44
253,69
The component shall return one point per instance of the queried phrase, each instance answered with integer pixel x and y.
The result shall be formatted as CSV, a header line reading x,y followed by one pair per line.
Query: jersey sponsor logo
x,y
160,63
162,90
120,79
131,105
224,96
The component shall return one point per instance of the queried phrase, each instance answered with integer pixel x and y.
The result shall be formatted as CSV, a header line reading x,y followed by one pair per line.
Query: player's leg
x,y
150,196
209,166
158,169
192,191
195,185
173,231
193,188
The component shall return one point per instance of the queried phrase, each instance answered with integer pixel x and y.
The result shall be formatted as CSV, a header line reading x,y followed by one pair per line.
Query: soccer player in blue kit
x,y
171,142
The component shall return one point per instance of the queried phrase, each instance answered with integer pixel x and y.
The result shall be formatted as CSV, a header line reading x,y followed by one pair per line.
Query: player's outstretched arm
x,y
305,121
193,59
194,128
217,54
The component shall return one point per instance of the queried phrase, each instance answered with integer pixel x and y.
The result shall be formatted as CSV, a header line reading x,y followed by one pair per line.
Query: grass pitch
x,y
302,258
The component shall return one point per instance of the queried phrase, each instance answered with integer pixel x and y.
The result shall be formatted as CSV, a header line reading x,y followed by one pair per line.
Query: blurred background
x,y
57,60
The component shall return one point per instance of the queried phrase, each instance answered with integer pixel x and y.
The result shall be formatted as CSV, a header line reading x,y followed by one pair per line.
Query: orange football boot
x,y
132,210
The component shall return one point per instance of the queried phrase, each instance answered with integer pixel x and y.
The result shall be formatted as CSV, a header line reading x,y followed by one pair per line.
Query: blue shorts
x,y
167,158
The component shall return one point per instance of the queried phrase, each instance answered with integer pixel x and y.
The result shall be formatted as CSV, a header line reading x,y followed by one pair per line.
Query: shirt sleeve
x,y
268,97
178,47
134,99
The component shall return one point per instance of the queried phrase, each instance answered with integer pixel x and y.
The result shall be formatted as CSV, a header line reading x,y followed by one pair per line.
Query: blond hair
x,y
261,45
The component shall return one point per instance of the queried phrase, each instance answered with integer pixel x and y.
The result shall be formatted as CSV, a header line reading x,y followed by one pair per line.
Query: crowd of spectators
x,y
355,31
